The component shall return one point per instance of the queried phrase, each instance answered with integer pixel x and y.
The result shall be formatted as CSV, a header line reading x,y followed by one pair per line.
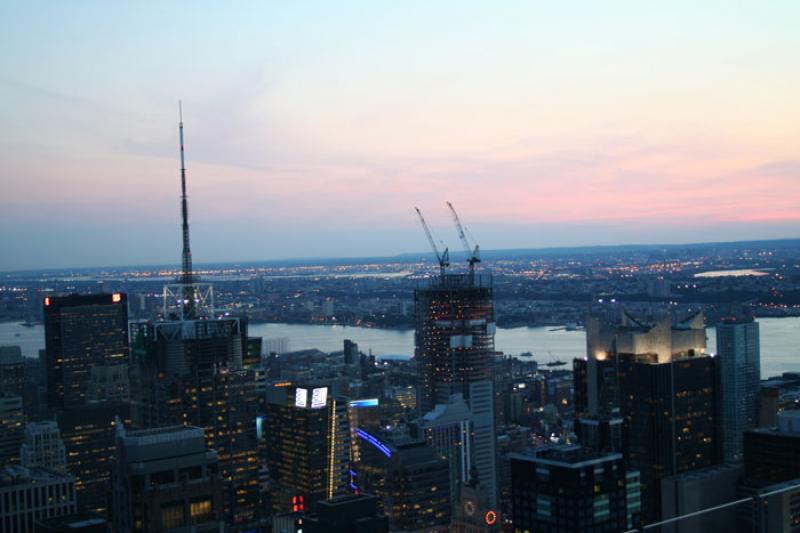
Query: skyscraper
x,y
308,446
84,334
448,430
662,382
454,352
188,369
351,353
410,478
86,358
189,372
738,364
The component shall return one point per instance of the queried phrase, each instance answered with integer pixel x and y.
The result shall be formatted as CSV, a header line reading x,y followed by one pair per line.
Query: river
x,y
780,341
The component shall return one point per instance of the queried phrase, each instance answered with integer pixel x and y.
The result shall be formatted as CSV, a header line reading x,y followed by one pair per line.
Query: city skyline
x,y
313,130
359,267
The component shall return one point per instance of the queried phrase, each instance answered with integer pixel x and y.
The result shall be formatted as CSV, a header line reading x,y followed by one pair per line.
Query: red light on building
x,y
47,301
116,297
490,518
298,504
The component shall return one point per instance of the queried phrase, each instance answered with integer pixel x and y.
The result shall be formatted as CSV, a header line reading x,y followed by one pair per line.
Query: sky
x,y
314,128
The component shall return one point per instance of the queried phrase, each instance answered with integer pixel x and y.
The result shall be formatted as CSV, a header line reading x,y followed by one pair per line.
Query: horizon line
x,y
458,253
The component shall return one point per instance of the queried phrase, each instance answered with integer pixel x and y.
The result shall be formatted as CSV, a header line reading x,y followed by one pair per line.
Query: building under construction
x,y
454,351
454,339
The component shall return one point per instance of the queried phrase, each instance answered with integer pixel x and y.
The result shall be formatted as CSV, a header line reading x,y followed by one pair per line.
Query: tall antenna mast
x,y
187,298
186,256
188,306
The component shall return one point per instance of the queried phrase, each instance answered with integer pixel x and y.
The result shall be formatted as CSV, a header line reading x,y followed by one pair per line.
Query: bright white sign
x,y
300,397
319,397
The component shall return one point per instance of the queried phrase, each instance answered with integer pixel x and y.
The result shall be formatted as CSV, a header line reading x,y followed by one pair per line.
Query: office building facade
x,y
562,489
448,429
657,377
88,435
12,428
190,372
411,479
738,364
307,445
31,494
84,334
43,446
165,479
773,454
12,371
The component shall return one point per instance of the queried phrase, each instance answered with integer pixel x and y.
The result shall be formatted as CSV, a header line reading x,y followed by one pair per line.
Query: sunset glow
x,y
552,124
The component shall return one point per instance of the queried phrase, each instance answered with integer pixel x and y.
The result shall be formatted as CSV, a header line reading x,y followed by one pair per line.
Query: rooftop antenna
x,y
186,257
186,277
187,298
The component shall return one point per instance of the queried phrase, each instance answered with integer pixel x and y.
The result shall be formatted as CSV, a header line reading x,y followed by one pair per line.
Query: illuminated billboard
x,y
368,402
300,397
319,397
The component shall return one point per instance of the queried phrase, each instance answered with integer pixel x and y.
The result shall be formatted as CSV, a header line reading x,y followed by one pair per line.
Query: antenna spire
x,y
186,277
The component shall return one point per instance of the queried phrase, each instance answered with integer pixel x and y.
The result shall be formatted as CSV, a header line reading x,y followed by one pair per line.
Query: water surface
x,y
780,341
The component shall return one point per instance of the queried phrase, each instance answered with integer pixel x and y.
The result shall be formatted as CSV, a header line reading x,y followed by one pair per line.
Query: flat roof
x,y
567,456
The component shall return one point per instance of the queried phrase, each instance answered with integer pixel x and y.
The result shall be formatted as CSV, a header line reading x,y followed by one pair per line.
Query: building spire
x,y
186,257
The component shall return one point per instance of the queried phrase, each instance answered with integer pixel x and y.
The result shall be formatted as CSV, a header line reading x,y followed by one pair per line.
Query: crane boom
x,y
473,254
461,234
444,258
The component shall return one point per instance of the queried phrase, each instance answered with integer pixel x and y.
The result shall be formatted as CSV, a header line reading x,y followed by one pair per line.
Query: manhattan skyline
x,y
313,130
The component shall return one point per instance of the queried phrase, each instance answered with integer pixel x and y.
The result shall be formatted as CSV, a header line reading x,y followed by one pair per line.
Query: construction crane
x,y
473,254
444,258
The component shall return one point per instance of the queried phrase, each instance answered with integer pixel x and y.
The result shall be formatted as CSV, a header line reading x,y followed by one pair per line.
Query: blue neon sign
x,y
369,402
375,442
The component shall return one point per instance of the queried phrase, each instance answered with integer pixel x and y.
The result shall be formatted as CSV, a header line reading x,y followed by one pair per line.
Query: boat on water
x,y
554,362
569,326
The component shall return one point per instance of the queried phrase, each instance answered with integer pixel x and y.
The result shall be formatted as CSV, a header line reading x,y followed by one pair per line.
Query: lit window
x,y
200,510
